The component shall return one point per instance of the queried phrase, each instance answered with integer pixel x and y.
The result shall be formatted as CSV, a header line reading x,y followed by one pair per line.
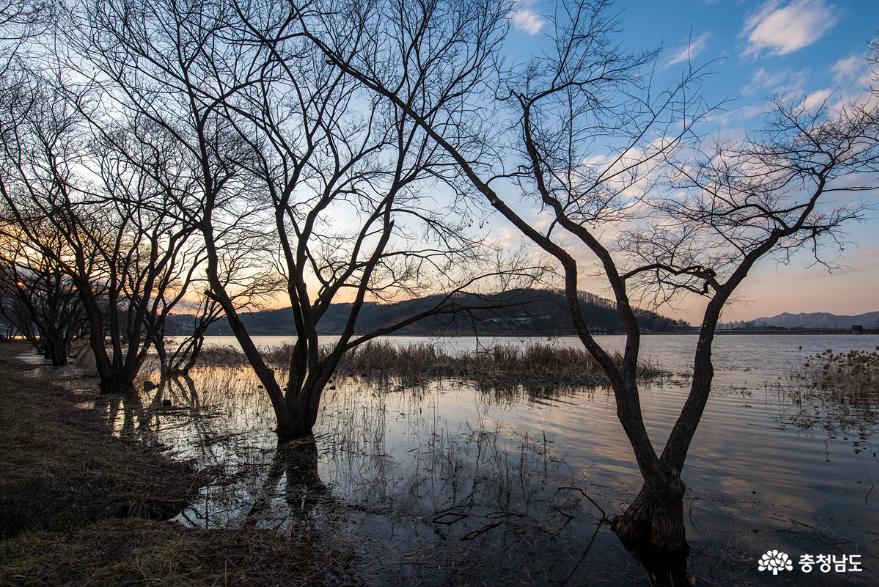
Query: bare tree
x,y
116,200
249,285
40,299
20,22
289,148
587,133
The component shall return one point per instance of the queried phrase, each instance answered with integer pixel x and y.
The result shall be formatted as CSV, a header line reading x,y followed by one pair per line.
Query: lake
x,y
447,482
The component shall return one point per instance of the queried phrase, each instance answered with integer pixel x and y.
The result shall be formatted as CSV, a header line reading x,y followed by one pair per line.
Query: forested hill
x,y
516,312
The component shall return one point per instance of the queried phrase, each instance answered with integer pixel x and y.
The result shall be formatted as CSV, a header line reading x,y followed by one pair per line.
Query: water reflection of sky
x,y
443,475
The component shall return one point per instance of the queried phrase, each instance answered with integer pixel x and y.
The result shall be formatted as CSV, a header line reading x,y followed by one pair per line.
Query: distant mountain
x,y
819,320
518,312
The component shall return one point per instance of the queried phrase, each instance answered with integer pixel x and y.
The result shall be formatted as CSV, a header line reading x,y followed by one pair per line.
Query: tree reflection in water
x,y
412,478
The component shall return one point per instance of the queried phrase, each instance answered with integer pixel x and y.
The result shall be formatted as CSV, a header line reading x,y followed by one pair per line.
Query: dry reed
x,y
851,377
499,365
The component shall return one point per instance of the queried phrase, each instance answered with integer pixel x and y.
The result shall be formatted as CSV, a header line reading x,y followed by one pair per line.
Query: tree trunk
x,y
117,382
56,351
654,522
293,425
58,356
159,345
297,414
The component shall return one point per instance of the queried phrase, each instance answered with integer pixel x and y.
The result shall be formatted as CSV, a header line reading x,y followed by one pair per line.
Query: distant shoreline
x,y
800,331
532,334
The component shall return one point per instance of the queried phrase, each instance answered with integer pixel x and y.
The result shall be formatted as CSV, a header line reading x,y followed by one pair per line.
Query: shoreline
x,y
537,334
82,506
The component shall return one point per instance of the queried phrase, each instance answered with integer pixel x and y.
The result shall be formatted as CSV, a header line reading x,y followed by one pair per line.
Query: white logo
x,y
775,561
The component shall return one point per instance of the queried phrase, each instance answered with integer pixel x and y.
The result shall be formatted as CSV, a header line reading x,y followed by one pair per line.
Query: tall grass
x,y
497,365
851,377
837,391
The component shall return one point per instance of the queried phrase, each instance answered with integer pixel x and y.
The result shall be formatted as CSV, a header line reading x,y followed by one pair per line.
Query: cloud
x,y
853,69
525,19
817,99
848,68
776,82
690,50
781,28
737,116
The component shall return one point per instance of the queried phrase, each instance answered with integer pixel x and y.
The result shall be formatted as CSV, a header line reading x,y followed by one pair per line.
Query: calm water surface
x,y
448,483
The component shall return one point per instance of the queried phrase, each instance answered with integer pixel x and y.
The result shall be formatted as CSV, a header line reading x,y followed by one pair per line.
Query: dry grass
x,y
851,377
145,552
226,356
837,391
62,468
75,503
500,365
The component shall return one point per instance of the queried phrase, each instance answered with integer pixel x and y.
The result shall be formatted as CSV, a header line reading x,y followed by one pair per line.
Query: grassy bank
x,y
61,468
79,506
148,552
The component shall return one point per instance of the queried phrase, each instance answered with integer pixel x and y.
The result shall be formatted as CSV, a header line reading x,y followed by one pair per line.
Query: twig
x,y
484,529
592,501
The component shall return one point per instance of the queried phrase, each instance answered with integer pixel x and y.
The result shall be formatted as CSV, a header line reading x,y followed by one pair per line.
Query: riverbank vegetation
x,y
851,376
837,391
497,365
80,506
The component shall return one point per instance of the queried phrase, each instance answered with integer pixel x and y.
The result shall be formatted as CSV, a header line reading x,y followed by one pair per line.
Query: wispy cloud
x,y
817,99
780,28
739,115
852,70
525,19
848,68
783,81
688,51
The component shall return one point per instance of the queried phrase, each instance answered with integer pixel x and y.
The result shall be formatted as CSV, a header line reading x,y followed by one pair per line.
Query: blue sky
x,y
809,48
761,47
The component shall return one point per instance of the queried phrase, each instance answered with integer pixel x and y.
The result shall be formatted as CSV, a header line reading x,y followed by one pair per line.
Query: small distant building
x,y
857,329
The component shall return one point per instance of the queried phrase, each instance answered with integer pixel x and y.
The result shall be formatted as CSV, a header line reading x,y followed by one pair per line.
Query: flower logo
x,y
774,561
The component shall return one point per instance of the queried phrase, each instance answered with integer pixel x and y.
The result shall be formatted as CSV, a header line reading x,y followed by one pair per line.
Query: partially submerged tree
x,y
288,148
147,258
786,189
115,201
40,298
585,133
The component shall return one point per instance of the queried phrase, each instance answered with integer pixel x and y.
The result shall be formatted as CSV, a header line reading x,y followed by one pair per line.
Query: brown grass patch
x,y
146,552
851,377
500,365
62,468
80,507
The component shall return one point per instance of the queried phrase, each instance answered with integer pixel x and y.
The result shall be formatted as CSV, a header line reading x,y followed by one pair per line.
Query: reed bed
x,y
499,365
222,356
837,392
851,377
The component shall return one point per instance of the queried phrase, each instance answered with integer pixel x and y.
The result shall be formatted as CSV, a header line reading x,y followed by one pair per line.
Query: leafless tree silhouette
x,y
39,298
286,149
586,137
115,200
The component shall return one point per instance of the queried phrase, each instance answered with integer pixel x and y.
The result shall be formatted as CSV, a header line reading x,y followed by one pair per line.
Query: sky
x,y
756,49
